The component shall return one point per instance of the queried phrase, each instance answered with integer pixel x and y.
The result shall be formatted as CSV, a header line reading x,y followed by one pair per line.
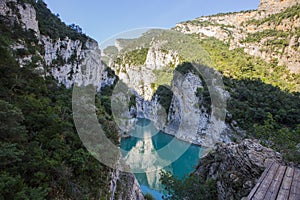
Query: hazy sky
x,y
102,19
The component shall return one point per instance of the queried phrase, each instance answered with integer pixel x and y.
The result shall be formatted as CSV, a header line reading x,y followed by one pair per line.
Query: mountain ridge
x,y
236,28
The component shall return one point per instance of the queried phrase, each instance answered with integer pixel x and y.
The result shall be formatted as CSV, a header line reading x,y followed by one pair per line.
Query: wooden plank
x,y
294,197
295,188
290,172
287,181
286,184
297,177
263,188
261,178
275,184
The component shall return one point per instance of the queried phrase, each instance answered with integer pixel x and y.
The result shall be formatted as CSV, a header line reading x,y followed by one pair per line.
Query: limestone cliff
x,y
72,61
236,167
275,6
125,186
271,32
69,60
171,98
24,14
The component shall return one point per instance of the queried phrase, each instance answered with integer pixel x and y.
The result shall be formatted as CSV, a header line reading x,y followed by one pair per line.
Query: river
x,y
148,151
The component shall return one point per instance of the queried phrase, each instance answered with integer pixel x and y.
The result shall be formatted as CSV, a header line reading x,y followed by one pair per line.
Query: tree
x,y
189,188
11,118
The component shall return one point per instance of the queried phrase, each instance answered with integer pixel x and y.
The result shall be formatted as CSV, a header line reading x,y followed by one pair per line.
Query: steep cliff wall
x,y
24,14
69,60
72,61
142,77
167,91
271,32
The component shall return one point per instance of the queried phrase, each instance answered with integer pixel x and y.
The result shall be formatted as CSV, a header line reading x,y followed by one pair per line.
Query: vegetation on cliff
x,y
50,25
289,13
261,93
41,154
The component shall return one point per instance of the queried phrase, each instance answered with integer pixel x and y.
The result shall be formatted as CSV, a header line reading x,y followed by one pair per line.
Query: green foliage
x,y
170,41
135,57
275,40
52,26
258,36
259,90
41,155
187,67
105,97
289,13
10,33
165,95
251,101
199,92
132,102
236,64
163,75
13,187
149,197
111,51
281,139
190,188
206,23
10,125
230,13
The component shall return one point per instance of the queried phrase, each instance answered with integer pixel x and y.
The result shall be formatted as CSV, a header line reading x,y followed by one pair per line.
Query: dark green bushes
x,y
289,13
135,57
41,155
192,187
257,93
165,95
50,25
258,36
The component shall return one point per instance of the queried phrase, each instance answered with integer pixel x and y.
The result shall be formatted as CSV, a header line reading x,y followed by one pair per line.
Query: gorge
x,y
218,92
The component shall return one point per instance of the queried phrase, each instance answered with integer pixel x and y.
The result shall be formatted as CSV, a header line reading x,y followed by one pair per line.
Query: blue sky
x,y
102,19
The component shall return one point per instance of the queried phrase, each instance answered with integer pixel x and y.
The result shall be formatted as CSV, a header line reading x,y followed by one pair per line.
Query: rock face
x,y
24,14
276,32
275,6
73,62
69,62
140,78
186,116
125,186
188,119
236,167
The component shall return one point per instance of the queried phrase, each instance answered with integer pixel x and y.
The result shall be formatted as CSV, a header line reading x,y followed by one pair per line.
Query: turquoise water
x,y
157,150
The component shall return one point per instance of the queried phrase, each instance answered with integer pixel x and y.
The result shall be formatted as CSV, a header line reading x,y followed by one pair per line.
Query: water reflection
x,y
150,149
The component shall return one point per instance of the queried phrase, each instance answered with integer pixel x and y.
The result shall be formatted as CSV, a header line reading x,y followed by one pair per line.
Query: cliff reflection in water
x,y
149,150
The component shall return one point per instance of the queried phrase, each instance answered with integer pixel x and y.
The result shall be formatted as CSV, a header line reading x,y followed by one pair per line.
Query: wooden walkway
x,y
278,182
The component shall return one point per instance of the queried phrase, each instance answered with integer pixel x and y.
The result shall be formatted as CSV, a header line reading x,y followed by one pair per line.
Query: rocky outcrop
x,y
275,6
69,62
189,119
72,61
125,186
281,45
23,14
182,113
236,167
140,78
